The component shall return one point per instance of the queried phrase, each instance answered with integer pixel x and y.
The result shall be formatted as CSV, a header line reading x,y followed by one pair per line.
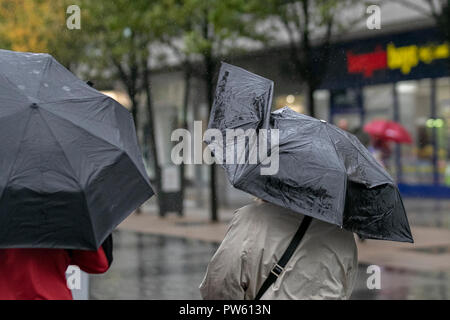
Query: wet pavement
x,y
153,267
148,266
428,212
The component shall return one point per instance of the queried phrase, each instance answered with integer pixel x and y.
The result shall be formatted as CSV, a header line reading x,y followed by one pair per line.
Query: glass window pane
x,y
414,111
442,124
379,104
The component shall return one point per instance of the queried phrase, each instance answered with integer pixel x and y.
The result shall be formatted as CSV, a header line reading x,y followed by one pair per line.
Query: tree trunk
x,y
129,81
209,76
311,102
134,107
151,125
187,89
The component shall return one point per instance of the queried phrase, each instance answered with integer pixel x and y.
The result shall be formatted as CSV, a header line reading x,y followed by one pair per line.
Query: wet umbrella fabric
x,y
70,166
324,172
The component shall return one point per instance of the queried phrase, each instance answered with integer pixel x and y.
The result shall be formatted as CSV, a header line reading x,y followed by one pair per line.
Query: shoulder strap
x,y
279,267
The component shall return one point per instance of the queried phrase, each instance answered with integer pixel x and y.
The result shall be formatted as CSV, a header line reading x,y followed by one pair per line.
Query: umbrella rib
x,y
77,115
17,154
334,146
14,87
73,171
247,73
85,130
11,115
122,149
60,146
49,60
262,160
79,99
343,167
361,153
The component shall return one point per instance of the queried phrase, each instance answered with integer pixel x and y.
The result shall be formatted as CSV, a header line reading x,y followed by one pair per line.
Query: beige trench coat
x,y
324,266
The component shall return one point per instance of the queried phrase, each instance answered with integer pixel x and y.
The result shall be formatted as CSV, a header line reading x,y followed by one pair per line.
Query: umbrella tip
x,y
33,105
321,120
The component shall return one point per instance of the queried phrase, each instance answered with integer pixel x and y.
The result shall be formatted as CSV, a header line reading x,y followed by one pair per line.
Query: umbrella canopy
x,y
70,166
324,172
388,130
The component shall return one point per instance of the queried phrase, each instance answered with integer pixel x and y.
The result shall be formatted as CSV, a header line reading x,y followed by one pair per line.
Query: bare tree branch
x,y
434,9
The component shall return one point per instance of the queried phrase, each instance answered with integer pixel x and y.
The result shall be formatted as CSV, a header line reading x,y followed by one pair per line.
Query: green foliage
x,y
39,26
215,26
116,29
301,17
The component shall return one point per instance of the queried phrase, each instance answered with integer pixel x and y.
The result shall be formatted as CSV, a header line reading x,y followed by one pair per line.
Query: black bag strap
x,y
279,267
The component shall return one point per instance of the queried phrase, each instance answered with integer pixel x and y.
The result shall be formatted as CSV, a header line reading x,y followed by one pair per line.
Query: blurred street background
x,y
347,62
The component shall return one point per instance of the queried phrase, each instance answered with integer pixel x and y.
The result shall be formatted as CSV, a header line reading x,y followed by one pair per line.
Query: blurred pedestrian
x,y
343,124
381,151
323,266
39,274
362,136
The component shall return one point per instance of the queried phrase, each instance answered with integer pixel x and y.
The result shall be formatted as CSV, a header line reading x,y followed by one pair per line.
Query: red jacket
x,y
39,274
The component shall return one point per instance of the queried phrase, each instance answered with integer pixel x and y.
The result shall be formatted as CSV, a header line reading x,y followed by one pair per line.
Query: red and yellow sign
x,y
403,58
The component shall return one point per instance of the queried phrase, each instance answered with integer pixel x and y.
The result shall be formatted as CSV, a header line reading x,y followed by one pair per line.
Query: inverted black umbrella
x,y
70,165
324,172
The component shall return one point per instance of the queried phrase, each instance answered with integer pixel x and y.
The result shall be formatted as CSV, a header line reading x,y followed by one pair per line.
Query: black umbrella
x,y
324,172
70,165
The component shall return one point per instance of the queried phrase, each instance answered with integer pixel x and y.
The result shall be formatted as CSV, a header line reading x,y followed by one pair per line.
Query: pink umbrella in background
x,y
388,131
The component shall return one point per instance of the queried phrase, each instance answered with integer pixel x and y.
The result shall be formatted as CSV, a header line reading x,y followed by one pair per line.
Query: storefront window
x,y
379,104
347,108
322,103
442,125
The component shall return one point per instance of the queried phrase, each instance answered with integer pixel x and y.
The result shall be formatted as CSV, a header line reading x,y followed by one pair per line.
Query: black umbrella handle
x,y
107,247
279,267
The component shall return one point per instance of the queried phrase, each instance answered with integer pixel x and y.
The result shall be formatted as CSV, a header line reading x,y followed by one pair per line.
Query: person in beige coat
x,y
324,265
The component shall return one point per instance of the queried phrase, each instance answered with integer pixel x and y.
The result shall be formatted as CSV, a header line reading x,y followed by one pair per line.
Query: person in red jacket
x,y
39,274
